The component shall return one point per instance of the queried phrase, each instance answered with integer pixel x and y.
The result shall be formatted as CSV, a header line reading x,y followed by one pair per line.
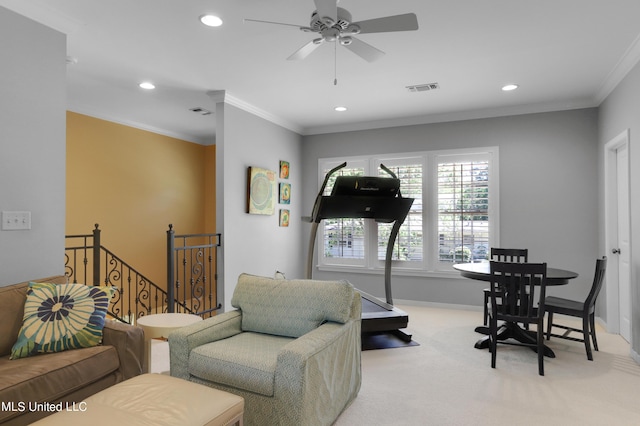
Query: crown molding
x,y
224,96
451,116
92,112
629,60
44,14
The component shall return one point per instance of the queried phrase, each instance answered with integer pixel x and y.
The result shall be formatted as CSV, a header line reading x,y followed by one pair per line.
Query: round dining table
x,y
481,271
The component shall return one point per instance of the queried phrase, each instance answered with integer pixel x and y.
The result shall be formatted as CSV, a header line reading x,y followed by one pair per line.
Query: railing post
x,y
170,270
96,256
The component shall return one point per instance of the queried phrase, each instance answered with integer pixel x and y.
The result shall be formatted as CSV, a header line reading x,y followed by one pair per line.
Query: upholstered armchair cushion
x,y
290,307
285,380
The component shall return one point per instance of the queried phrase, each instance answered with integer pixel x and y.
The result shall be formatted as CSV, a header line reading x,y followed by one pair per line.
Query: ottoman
x,y
152,399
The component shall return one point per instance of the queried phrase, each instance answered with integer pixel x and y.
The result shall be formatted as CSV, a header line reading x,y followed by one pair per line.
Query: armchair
x,y
291,349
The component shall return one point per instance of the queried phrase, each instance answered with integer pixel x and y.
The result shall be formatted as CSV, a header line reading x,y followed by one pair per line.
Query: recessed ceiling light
x,y
509,87
211,20
147,85
340,108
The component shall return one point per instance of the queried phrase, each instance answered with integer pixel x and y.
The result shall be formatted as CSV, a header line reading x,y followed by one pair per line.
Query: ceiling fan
x,y
334,24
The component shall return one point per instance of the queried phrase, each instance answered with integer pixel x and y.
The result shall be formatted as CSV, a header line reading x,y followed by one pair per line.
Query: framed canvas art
x,y
261,191
284,169
285,193
284,217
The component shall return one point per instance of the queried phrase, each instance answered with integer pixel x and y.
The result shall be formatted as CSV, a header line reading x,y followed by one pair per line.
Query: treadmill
x,y
369,197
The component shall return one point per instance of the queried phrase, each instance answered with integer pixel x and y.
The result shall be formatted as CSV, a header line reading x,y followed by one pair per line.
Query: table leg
x,y
510,330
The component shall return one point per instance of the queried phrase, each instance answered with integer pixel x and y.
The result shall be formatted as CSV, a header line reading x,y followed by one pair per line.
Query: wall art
x,y
285,193
261,191
284,169
284,217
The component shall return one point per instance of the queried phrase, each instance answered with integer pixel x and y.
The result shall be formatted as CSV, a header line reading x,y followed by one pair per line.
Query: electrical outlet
x,y
15,221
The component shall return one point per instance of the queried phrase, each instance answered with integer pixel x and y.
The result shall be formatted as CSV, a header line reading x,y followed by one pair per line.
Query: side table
x,y
159,326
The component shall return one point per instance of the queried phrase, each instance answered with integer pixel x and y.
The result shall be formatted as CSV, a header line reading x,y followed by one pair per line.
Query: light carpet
x,y
446,381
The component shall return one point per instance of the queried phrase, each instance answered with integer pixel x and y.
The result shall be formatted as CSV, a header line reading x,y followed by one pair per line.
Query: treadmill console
x,y
372,186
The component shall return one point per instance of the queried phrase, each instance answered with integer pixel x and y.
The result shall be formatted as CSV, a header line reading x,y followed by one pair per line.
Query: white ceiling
x,y
564,54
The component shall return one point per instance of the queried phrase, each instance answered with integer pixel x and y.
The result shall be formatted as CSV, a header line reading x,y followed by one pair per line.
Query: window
x,y
343,239
463,209
453,218
408,246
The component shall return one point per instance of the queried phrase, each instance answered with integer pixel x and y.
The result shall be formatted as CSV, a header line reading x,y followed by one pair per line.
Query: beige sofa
x,y
68,376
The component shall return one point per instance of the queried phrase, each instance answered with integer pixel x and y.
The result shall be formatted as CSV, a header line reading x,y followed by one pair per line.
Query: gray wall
x,y
548,192
255,244
621,111
32,137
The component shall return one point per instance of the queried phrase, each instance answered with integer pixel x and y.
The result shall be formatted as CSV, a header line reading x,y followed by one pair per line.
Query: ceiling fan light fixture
x,y
352,29
509,87
340,108
147,85
328,21
211,20
345,41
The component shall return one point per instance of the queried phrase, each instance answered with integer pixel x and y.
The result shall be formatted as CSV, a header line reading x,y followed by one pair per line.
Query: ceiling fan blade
x,y
305,50
364,50
276,23
327,9
406,22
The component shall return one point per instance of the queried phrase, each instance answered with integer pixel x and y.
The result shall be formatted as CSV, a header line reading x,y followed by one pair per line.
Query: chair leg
x,y
486,308
592,321
540,340
493,339
549,325
586,336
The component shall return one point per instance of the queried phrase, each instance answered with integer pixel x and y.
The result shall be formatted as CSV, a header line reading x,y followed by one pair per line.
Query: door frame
x,y
611,224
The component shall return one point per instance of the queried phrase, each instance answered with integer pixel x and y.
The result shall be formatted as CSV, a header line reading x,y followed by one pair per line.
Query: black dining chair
x,y
503,255
517,296
580,309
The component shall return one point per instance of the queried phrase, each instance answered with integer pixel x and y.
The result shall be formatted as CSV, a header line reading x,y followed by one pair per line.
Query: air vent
x,y
200,111
423,87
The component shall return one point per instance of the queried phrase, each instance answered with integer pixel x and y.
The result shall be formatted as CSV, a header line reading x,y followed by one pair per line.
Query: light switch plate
x,y
16,220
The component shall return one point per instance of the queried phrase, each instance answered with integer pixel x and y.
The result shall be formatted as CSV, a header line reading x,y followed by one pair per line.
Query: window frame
x,y
430,264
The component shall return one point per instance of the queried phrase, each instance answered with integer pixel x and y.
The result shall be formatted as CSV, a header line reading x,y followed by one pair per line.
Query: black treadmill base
x,y
378,317
385,340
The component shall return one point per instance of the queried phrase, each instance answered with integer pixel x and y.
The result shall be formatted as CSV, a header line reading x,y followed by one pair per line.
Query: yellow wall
x,y
134,183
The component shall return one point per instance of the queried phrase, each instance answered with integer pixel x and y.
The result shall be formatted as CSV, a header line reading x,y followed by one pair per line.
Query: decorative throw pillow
x,y
58,317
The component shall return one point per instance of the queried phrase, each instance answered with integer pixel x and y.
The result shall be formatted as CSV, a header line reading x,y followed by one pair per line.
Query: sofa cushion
x,y
245,361
290,307
51,377
12,300
58,317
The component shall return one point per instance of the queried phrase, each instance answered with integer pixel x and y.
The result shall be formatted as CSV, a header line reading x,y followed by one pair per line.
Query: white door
x,y
617,223
623,249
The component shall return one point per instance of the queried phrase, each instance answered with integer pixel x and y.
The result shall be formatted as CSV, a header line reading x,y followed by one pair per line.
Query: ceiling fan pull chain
x,y
335,63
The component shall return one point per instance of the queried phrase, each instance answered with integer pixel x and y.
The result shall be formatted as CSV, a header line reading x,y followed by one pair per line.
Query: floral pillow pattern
x,y
58,317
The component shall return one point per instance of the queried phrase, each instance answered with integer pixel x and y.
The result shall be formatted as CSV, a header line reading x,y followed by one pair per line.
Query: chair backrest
x,y
518,290
598,279
509,255
291,307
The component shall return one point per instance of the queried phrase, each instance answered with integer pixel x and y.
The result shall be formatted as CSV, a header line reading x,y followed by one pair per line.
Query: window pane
x,y
408,245
347,171
343,238
463,211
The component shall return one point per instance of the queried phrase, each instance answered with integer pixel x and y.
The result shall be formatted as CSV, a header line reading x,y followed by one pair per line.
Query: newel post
x,y
96,255
170,270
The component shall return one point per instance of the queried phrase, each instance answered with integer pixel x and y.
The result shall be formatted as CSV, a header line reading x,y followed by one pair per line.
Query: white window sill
x,y
396,271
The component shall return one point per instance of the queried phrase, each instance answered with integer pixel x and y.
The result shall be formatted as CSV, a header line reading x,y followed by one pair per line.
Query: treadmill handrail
x,y
316,204
393,175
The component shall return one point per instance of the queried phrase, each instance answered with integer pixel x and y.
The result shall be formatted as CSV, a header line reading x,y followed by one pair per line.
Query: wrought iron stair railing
x,y
191,275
